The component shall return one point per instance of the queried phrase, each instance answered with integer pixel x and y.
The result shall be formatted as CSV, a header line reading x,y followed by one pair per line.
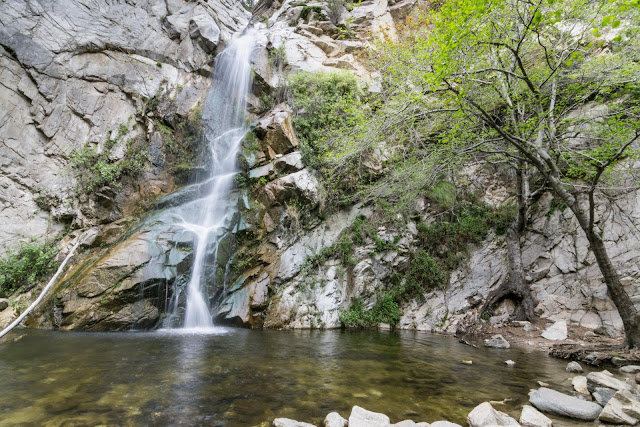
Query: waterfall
x,y
210,218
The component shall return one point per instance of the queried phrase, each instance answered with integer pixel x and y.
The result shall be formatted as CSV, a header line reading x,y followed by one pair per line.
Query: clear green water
x,y
244,377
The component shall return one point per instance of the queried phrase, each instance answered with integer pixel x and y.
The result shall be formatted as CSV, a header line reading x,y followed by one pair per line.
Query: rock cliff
x,y
74,72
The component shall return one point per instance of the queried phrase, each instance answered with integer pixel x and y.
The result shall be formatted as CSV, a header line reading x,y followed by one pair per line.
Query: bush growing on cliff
x,y
94,169
385,310
26,265
323,103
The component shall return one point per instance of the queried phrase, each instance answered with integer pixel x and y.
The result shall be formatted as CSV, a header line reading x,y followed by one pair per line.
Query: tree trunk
x,y
619,296
515,287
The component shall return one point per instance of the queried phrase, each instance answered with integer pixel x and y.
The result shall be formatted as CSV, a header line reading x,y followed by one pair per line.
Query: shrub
x,y
323,103
94,169
385,310
26,265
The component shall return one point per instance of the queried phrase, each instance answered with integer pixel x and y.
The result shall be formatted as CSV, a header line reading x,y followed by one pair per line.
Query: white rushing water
x,y
210,217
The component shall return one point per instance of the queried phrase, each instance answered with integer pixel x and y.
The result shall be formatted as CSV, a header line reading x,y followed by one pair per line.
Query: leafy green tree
x,y
547,87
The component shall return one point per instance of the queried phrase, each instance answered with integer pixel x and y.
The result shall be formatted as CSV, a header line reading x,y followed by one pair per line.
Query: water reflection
x,y
241,377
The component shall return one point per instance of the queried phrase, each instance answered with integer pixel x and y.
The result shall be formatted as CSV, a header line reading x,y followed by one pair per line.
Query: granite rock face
x,y
73,72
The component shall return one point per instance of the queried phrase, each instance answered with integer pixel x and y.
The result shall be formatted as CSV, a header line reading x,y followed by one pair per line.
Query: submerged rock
x,y
531,417
497,341
552,401
360,417
485,415
556,332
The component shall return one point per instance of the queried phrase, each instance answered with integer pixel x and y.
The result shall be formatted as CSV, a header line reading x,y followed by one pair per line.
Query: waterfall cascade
x,y
210,218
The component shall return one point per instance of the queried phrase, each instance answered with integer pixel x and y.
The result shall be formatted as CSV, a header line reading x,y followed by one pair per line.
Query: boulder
x,y
276,132
497,341
289,163
622,408
531,417
579,384
405,423
603,395
556,332
574,367
484,415
4,303
302,186
606,380
360,417
630,369
334,419
557,403
287,422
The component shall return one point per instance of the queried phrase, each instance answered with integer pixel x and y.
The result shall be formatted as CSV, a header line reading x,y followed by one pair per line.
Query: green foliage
x,y
323,104
312,11
26,265
447,240
385,310
278,56
423,275
94,169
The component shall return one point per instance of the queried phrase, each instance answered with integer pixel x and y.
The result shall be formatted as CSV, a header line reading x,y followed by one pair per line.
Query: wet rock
x,y
497,341
556,332
619,361
603,395
630,369
360,417
485,415
531,417
510,363
579,384
286,422
335,420
623,408
4,303
574,367
276,132
547,400
605,379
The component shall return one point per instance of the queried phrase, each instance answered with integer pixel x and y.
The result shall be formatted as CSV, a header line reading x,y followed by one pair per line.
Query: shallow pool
x,y
239,377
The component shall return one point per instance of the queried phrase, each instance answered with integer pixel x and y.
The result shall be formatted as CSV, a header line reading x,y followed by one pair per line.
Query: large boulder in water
x,y
484,415
548,400
360,417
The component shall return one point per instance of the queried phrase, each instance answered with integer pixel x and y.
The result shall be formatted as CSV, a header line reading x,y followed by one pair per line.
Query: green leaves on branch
x,y
26,265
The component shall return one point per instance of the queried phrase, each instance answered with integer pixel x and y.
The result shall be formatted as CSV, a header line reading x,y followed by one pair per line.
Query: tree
x,y
550,87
